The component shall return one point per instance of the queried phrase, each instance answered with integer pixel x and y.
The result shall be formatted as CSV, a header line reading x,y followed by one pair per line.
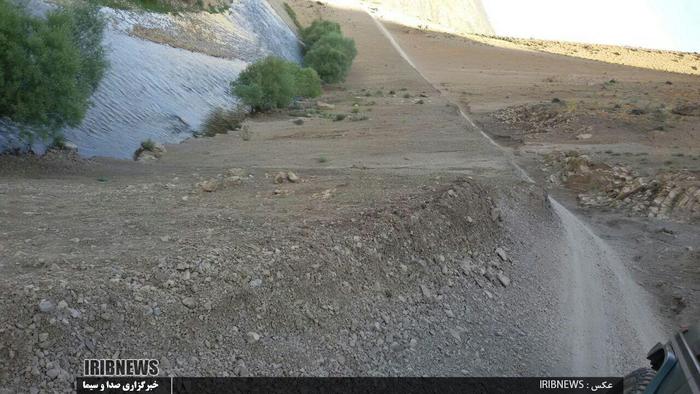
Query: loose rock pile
x,y
538,118
666,195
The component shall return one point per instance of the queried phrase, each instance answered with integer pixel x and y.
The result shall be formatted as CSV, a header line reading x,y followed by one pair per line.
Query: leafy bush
x,y
221,121
308,82
148,145
49,67
273,83
331,56
316,30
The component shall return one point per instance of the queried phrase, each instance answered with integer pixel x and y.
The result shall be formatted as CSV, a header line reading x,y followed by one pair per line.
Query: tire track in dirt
x,y
606,319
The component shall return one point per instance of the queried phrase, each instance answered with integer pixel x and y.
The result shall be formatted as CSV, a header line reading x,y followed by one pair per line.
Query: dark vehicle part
x,y
677,365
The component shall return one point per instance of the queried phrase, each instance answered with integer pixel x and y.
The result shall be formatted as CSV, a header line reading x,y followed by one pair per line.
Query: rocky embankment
x,y
664,195
420,285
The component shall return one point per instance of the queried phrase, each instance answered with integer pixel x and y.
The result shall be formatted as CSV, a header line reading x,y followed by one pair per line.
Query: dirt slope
x,y
409,246
624,121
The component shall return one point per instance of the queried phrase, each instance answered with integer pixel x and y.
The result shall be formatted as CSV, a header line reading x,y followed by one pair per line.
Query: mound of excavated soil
x,y
415,286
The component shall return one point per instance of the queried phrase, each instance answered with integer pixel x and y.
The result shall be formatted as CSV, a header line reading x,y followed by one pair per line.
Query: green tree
x,y
273,83
316,30
49,66
331,56
308,83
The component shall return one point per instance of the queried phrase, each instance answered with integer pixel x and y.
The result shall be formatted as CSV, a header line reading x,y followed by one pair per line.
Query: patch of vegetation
x,y
318,28
274,83
327,51
148,145
339,117
293,16
331,57
221,121
58,142
322,159
307,82
49,67
167,6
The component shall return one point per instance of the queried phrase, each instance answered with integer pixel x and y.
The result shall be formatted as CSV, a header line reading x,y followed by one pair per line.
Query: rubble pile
x,y
666,195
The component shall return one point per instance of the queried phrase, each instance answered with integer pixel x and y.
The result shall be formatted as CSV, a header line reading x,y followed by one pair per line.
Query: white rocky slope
x,y
452,16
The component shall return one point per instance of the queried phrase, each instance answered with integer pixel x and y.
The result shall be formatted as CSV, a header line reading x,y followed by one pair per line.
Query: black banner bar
x,y
180,385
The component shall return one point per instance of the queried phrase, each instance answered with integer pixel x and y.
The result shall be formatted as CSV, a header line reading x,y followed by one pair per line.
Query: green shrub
x,y
273,83
316,30
221,121
49,67
331,56
308,82
148,145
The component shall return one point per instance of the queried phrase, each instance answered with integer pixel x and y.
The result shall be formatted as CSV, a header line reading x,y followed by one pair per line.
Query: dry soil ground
x,y
410,245
630,123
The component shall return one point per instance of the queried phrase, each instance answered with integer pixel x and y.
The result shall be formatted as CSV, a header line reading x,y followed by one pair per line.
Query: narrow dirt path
x,y
606,318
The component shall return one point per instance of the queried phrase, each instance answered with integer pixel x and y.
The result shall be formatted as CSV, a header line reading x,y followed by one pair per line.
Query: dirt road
x,y
604,308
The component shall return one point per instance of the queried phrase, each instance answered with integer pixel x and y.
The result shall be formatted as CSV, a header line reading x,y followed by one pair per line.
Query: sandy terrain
x,y
671,61
628,122
409,245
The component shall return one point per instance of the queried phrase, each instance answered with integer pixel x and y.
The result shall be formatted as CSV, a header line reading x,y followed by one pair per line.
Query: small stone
x,y
62,304
425,290
322,105
165,238
280,177
189,302
496,215
502,254
449,313
241,369
46,306
253,337
239,172
395,347
292,177
505,281
209,186
255,283
43,337
53,373
584,136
